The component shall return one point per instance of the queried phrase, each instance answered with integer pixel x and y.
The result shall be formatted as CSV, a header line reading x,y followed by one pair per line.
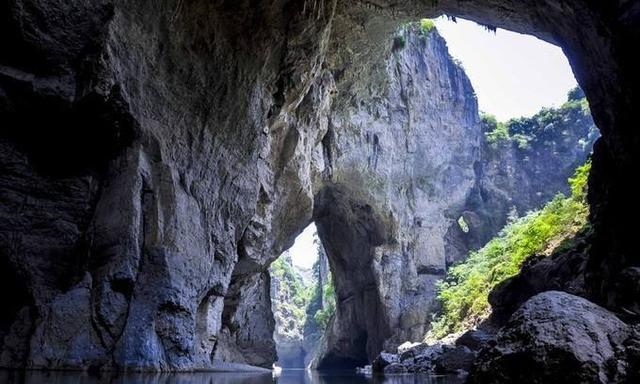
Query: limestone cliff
x,y
289,299
429,162
402,164
524,163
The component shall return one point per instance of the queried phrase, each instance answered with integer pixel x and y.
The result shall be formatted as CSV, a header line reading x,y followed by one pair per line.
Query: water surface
x,y
287,377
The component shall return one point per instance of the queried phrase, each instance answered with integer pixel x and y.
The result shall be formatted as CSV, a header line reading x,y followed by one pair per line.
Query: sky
x,y
303,252
513,75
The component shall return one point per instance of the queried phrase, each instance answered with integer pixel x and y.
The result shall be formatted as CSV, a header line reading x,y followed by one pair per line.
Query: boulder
x,y
422,358
454,359
366,370
395,368
475,339
406,346
553,336
383,360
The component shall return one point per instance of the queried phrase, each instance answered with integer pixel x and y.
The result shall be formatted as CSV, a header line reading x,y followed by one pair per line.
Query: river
x,y
286,377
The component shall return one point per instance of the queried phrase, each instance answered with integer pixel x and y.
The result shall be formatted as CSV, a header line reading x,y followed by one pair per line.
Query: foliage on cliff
x,y
465,291
324,314
426,25
294,289
322,304
312,326
422,28
543,128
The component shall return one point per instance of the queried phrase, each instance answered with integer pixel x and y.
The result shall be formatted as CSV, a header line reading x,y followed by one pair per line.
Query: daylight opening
x,y
537,136
302,299
507,182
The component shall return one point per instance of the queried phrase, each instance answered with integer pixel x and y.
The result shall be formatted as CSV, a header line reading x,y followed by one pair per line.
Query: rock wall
x,y
314,331
402,164
409,158
143,147
523,171
555,334
156,156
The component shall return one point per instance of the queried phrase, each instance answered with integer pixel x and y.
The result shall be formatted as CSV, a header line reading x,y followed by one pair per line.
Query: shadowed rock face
x,y
555,334
143,240
156,157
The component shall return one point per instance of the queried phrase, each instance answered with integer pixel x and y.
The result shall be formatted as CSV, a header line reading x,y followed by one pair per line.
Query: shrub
x,y
495,132
324,315
426,25
576,94
464,292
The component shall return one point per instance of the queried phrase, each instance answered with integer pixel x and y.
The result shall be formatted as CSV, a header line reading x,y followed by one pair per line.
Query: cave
x,y
157,157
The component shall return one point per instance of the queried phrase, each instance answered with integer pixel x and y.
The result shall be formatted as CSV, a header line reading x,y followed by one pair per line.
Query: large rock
x,y
394,369
424,358
383,360
555,336
455,359
477,338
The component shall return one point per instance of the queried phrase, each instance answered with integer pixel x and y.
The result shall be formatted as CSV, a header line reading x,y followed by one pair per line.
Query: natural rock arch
x,y
175,146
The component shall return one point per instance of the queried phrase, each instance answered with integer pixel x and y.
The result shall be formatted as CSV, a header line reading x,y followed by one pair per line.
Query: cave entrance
x,y
336,320
537,127
302,299
391,228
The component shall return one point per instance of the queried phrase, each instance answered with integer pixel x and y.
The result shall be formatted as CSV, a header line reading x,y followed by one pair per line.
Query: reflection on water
x,y
287,377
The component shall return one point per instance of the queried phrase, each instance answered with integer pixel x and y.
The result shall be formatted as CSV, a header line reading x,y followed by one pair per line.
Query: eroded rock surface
x,y
553,335
440,358
402,166
143,145
557,335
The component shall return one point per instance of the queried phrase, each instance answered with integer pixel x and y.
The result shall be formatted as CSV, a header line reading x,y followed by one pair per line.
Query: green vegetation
x,y
465,291
322,304
323,315
426,25
495,132
422,27
576,94
578,182
541,128
291,281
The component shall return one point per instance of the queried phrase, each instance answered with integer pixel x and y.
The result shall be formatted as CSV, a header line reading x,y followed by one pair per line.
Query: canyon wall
x,y
157,156
289,300
402,164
